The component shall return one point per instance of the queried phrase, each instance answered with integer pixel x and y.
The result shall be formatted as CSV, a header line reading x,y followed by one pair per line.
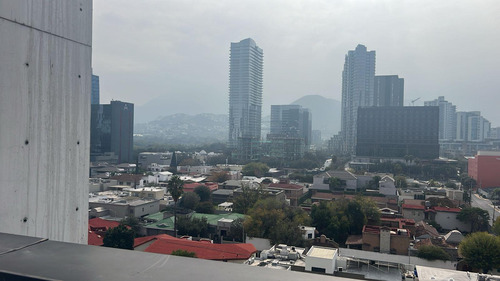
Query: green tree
x,y
477,217
275,220
341,218
175,188
335,183
133,223
256,169
119,237
481,251
204,193
183,253
236,230
193,226
374,182
189,200
400,182
205,207
431,252
496,227
219,176
243,202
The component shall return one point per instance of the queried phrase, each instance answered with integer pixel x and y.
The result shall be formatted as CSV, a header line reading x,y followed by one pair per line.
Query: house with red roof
x,y
166,244
97,229
414,212
447,218
190,187
293,192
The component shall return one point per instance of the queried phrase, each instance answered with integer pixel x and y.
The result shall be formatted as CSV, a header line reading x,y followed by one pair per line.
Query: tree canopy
x,y
431,252
119,237
277,221
133,223
481,251
477,217
243,202
256,169
204,193
175,187
193,226
496,226
189,200
341,218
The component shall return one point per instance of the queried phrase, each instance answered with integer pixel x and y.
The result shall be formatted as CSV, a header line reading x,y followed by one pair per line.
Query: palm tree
x,y
175,188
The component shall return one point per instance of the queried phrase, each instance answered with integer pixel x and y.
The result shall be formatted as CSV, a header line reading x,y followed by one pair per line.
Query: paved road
x,y
485,204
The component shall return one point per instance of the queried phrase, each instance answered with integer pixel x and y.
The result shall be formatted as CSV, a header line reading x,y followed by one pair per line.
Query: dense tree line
x,y
277,221
341,218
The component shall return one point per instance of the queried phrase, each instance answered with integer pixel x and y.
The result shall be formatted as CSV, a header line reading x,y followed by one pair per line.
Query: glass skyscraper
x,y
358,79
245,96
94,98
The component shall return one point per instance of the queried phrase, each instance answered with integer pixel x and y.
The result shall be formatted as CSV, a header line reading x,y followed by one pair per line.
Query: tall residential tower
x,y
358,78
245,97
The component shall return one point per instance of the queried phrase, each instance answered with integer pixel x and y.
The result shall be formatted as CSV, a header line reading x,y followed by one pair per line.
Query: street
x,y
485,204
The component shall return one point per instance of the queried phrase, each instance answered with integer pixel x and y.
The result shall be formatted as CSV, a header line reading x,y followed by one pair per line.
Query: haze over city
x,y
178,52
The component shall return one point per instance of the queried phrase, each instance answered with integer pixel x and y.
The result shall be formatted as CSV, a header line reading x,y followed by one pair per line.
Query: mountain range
x,y
184,128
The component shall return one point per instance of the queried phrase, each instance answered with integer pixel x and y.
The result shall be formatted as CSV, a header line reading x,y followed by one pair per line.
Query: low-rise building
x,y
386,239
293,192
414,212
320,259
166,244
121,207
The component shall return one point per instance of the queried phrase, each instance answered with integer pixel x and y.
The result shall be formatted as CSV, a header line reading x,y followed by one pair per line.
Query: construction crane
x,y
413,101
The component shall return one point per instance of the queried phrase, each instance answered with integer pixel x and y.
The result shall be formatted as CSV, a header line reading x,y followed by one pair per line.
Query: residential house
x,y
386,239
415,212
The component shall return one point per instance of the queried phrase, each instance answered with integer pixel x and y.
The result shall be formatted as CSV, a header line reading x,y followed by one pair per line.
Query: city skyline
x,y
161,57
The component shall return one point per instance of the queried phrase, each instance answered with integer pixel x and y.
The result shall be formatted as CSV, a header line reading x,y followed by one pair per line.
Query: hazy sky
x,y
145,51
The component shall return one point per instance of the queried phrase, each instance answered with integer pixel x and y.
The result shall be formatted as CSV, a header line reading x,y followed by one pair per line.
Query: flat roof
x,y
34,258
430,273
320,252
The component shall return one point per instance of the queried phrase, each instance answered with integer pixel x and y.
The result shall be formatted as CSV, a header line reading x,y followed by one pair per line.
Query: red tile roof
x,y
95,239
100,223
447,209
166,244
97,229
414,207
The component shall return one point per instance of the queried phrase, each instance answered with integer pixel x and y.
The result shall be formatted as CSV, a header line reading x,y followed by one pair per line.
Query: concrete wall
x,y
449,221
45,85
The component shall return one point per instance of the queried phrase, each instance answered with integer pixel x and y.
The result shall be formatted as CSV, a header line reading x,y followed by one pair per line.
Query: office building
x,y
447,118
484,167
290,133
245,97
45,78
291,121
394,132
358,79
112,128
389,90
94,98
471,127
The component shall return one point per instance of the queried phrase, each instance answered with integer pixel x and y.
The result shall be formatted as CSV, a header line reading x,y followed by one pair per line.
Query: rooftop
x,y
320,252
33,259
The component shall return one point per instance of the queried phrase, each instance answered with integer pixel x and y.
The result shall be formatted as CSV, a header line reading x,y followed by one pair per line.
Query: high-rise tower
x,y
447,118
358,79
389,90
245,96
